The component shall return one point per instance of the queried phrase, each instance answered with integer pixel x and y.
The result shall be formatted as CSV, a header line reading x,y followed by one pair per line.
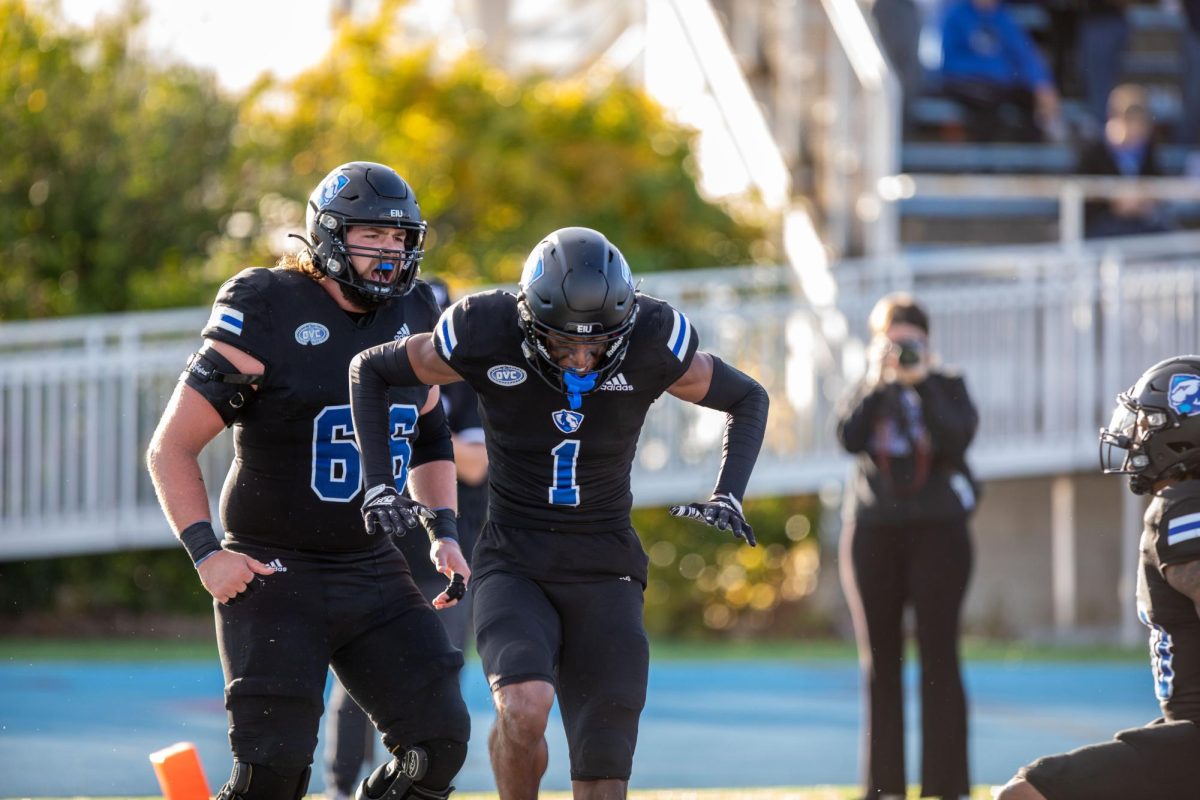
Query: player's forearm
x,y
746,405
471,461
433,484
369,383
179,485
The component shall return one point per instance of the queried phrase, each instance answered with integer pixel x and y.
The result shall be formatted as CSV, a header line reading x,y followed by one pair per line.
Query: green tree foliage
x,y
496,162
110,169
706,585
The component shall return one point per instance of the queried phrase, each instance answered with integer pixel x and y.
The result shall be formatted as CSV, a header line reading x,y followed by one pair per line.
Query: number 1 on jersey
x,y
564,491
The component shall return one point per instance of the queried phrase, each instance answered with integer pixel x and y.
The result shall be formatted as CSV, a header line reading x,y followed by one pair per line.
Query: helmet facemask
x,y
365,194
1151,437
576,290
537,351
392,277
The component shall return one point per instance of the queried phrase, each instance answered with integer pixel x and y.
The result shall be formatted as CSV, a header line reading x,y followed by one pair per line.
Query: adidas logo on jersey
x,y
402,333
617,383
277,565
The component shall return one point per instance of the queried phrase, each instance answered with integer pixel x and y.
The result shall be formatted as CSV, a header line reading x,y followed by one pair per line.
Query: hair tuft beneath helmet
x,y
373,195
1154,433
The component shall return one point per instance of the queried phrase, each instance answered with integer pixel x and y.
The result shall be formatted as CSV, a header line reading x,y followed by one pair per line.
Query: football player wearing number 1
x,y
565,373
298,584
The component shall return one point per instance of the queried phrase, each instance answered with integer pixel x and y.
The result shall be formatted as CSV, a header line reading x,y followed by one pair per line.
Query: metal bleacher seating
x,y
935,143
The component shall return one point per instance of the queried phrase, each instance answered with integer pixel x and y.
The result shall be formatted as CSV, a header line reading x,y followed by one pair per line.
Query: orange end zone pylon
x,y
179,772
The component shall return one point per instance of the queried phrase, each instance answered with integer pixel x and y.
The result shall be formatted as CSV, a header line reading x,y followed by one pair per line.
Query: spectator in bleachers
x,y
1103,37
1127,148
991,66
898,25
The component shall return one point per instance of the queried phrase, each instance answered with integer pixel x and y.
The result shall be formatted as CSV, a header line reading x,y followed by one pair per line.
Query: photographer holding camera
x,y
905,541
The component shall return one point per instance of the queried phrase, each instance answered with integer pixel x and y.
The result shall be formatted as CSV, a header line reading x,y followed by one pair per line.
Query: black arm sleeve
x,y
372,372
746,404
949,414
855,418
433,442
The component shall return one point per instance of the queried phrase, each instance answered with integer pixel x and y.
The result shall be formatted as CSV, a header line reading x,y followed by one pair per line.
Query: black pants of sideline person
x,y
883,570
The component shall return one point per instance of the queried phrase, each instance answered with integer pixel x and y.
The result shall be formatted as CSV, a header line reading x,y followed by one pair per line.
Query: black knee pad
x,y
260,782
602,754
422,772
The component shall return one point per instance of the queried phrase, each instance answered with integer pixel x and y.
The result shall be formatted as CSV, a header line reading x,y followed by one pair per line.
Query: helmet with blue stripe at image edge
x,y
1154,432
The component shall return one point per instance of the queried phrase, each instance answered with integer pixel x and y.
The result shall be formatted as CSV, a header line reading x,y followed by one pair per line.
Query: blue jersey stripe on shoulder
x,y
1182,529
446,338
681,331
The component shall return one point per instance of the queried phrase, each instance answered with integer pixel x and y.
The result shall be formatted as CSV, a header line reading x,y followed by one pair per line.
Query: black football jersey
x,y
296,478
1171,535
551,468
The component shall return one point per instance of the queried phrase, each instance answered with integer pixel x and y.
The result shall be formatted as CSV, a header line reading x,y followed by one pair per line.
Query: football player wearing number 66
x,y
298,584
565,372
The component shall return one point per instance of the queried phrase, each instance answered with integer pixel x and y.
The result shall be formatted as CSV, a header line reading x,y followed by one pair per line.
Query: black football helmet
x,y
364,193
1154,433
577,287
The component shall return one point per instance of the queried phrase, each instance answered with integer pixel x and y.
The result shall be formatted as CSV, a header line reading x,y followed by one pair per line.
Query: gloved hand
x,y
387,511
722,512
457,588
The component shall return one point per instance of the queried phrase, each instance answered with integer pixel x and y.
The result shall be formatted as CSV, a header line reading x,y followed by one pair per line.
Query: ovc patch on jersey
x,y
1184,394
506,375
227,319
1182,529
312,333
332,188
681,331
567,421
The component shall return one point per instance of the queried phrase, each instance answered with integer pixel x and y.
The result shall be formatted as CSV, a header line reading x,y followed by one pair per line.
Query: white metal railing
x,y
1045,337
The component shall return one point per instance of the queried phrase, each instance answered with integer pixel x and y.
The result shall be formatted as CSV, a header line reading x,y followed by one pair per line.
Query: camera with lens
x,y
909,352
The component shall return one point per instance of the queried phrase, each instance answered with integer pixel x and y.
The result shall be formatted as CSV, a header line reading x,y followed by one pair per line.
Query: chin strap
x,y
576,385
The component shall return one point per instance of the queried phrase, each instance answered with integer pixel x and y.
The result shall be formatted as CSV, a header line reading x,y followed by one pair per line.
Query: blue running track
x,y
70,729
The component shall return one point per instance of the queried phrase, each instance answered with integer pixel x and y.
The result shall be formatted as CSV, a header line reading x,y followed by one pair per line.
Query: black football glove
x,y
387,511
457,588
722,512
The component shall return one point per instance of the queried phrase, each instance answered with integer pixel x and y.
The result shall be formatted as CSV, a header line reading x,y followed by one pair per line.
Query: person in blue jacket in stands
x,y
994,70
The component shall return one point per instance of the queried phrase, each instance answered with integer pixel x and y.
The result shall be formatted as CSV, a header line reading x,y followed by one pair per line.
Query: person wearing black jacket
x,y
1128,147
906,543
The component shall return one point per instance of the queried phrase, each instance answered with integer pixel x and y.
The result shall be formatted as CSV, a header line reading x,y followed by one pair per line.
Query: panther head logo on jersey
x,y
567,421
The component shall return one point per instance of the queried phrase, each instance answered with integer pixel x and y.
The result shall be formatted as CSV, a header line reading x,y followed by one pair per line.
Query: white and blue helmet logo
x,y
313,333
332,188
533,269
506,375
567,421
1184,394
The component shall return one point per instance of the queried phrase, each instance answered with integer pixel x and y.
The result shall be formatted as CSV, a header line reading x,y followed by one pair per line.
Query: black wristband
x,y
444,525
199,540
